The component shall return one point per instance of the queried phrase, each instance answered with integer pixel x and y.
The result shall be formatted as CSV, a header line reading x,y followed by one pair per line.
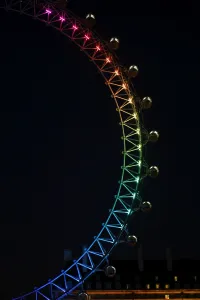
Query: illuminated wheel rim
x,y
117,80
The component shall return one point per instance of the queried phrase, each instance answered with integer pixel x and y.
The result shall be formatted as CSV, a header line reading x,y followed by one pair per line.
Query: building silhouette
x,y
147,279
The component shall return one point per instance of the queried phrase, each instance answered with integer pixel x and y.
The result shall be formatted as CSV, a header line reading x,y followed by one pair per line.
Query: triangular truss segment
x,y
126,200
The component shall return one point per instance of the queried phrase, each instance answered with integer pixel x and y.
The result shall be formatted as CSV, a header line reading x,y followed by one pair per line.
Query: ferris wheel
x,y
129,105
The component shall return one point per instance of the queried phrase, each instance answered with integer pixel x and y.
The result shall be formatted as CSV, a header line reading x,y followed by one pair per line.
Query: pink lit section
x,y
62,19
87,37
108,60
75,27
48,11
98,48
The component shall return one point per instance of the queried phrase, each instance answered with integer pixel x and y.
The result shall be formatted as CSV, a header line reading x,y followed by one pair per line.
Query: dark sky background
x,y
60,138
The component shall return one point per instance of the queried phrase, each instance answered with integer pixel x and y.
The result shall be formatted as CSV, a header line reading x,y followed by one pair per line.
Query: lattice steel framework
x,y
127,199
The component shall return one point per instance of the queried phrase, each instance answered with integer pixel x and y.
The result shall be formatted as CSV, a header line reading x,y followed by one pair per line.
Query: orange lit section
x,y
108,60
124,86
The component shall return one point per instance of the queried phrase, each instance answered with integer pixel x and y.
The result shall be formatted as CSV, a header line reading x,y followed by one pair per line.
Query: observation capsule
x,y
110,271
153,171
146,206
133,71
146,103
83,296
132,239
114,43
91,21
153,136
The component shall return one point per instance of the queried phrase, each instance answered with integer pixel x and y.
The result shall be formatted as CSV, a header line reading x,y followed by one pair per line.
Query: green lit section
x,y
127,195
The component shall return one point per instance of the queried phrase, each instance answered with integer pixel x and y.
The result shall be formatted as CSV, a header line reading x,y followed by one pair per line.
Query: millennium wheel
x,y
127,201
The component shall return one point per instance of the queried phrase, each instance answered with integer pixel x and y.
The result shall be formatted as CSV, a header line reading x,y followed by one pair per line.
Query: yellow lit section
x,y
167,286
130,99
175,278
157,285
166,296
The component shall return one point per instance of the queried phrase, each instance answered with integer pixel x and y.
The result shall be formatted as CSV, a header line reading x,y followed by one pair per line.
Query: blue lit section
x,y
111,231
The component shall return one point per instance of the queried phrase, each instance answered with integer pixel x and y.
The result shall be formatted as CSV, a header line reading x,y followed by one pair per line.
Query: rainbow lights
x,y
117,82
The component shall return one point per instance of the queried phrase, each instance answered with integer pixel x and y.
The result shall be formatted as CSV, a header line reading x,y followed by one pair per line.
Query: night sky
x,y
60,137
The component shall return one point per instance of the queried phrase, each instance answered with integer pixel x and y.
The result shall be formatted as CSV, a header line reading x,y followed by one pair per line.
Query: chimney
x,y
140,259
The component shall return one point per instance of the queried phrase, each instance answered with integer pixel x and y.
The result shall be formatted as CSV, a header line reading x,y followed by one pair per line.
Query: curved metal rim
x,y
118,82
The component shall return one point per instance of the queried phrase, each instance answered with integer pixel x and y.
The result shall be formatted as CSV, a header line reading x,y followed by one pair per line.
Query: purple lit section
x,y
48,11
62,19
